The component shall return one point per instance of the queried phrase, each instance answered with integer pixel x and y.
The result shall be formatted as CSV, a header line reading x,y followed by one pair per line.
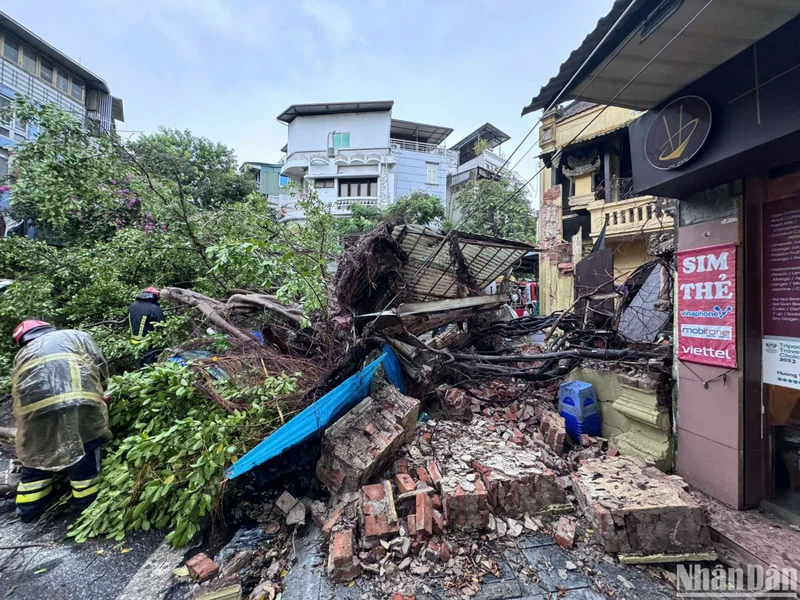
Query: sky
x,y
225,69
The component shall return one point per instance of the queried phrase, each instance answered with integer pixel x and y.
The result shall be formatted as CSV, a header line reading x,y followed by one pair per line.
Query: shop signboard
x,y
707,305
781,361
781,344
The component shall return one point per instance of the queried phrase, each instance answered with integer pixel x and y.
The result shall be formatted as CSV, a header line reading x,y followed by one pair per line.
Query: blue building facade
x,y
421,171
32,68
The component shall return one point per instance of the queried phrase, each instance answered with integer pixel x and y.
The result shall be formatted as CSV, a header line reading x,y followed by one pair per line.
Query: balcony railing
x,y
417,147
344,203
631,217
621,189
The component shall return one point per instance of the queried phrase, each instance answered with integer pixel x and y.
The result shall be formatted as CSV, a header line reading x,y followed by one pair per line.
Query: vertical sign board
x,y
781,343
707,305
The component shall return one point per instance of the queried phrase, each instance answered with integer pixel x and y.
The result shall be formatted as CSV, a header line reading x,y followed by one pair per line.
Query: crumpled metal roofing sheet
x,y
314,420
486,259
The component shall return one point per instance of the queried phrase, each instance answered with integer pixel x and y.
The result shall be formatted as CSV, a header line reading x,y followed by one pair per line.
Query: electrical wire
x,y
558,153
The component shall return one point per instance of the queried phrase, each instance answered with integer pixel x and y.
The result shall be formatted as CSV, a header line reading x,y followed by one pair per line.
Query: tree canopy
x,y
499,208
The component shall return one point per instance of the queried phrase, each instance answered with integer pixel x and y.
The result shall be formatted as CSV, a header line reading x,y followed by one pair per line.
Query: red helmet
x,y
153,290
26,327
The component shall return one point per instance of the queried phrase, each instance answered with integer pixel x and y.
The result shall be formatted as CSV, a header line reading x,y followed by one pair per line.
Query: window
x,y
62,80
284,180
46,70
341,140
433,173
77,89
323,183
3,164
30,60
11,49
358,188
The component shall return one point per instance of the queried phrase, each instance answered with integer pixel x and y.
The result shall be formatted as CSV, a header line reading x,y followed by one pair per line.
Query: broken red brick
x,y
380,516
445,552
612,452
404,483
373,492
426,437
436,501
377,527
422,475
424,515
438,522
586,441
370,429
412,525
435,473
565,533
342,563
333,520
342,547
202,568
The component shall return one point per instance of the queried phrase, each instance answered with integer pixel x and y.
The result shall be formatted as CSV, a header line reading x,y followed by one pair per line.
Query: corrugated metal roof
x,y
411,130
487,132
332,108
486,258
595,137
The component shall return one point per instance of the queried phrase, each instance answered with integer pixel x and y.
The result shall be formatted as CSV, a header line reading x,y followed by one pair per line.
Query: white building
x,y
355,152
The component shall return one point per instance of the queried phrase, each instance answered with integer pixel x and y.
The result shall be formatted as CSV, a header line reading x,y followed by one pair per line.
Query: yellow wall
x,y
583,185
556,292
629,255
611,118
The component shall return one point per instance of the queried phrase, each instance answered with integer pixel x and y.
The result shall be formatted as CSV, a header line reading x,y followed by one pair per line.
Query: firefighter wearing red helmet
x,y
58,381
143,314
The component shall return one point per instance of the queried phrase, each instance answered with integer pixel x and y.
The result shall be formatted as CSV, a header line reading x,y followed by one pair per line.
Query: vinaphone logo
x,y
678,132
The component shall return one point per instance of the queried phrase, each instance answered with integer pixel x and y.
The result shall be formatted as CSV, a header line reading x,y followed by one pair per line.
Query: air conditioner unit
x,y
92,100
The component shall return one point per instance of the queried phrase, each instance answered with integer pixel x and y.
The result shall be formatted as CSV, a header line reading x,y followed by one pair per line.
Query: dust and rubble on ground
x,y
430,422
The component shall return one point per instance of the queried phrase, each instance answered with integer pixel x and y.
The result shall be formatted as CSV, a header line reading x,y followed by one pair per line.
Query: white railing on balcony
x,y
344,203
417,147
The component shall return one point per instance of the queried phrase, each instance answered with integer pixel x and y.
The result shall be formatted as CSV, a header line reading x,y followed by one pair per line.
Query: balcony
x,y
320,163
417,147
621,189
630,217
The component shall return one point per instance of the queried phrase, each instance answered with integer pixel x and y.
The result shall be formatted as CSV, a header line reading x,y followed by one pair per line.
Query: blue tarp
x,y
317,417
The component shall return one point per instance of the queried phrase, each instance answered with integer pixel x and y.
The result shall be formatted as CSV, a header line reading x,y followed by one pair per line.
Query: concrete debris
x,y
362,442
637,509
286,502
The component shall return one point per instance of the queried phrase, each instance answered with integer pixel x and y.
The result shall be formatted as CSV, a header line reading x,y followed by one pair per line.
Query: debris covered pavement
x,y
424,466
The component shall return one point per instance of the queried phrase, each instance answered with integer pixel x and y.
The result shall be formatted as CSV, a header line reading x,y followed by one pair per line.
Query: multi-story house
x,y
587,190
31,67
356,153
478,158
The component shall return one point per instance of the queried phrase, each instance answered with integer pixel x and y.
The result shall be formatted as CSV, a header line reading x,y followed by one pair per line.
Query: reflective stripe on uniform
x,y
137,337
34,496
83,483
83,493
82,395
68,356
33,486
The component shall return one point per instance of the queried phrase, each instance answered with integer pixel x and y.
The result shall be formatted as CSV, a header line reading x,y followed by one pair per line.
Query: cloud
x,y
334,21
